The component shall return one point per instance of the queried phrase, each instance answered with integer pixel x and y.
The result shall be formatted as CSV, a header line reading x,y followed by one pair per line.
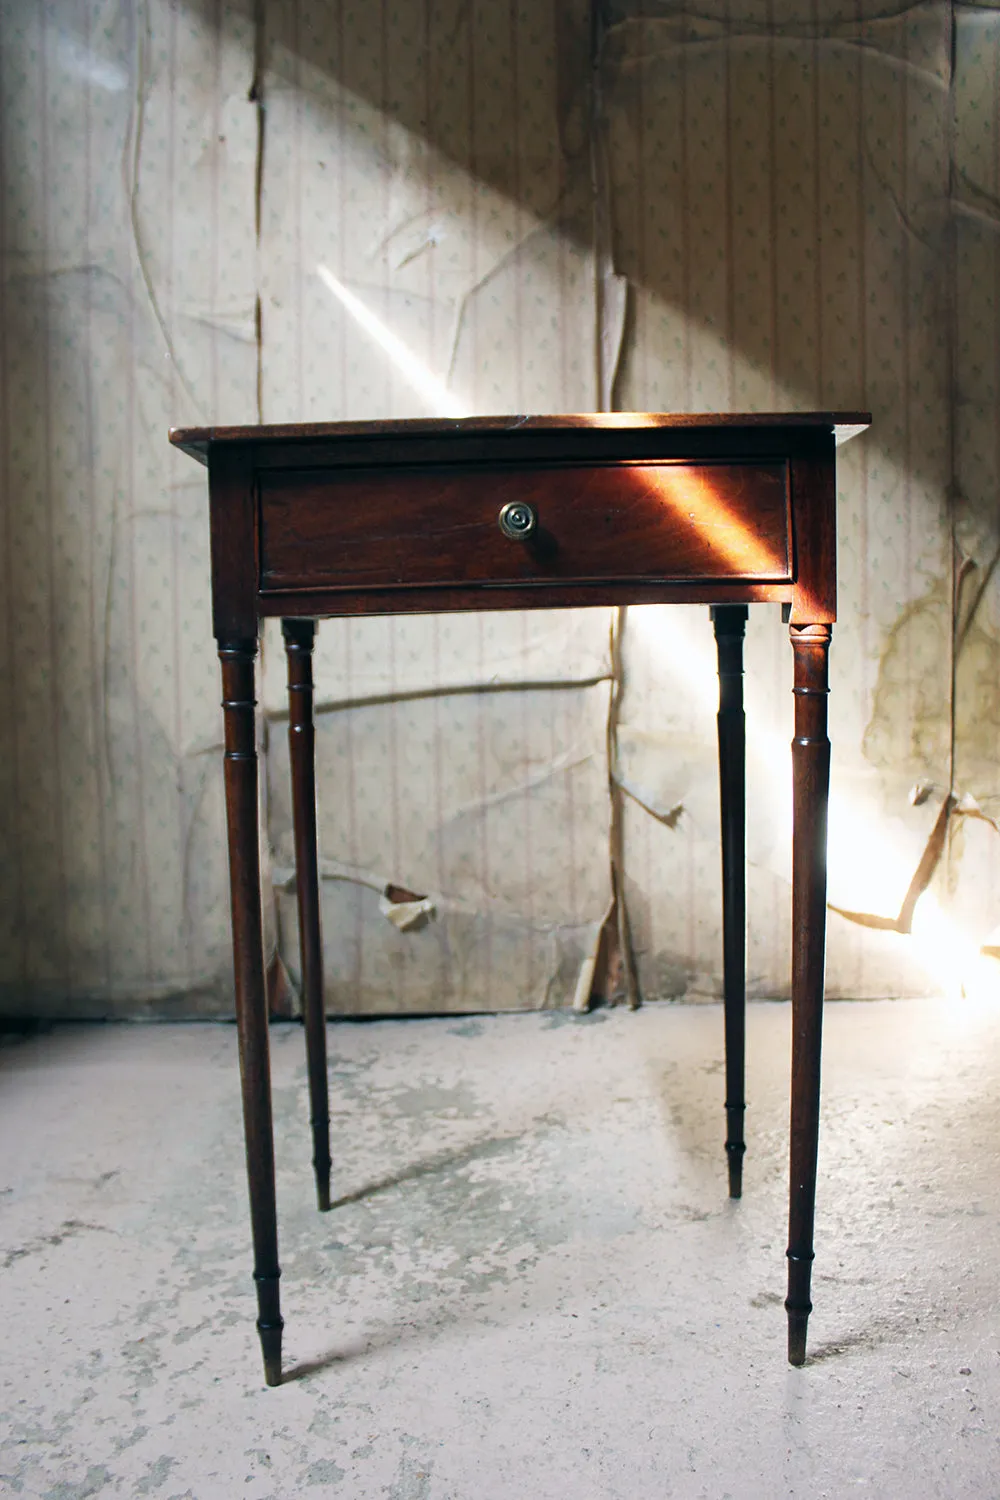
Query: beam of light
x,y
858,859
689,492
433,391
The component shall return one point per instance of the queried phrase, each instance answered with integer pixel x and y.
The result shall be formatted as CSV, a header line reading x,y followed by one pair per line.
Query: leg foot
x,y
270,1345
798,1306
323,1190
269,1325
797,1324
735,1151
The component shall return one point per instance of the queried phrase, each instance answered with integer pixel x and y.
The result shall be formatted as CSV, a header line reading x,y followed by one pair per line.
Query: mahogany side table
x,y
525,513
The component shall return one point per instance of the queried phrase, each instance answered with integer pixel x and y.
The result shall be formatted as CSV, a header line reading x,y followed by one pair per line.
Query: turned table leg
x,y
237,658
299,636
730,623
811,787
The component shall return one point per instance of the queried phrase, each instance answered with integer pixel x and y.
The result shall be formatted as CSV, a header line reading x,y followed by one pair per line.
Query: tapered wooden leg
x,y
730,624
299,636
811,780
237,658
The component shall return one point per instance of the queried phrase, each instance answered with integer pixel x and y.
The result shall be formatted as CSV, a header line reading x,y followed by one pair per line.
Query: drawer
x,y
668,521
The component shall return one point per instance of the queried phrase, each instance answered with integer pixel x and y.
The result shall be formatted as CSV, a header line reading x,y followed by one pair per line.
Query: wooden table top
x,y
196,440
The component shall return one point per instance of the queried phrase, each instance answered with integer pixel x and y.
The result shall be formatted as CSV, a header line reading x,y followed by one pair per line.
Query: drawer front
x,y
357,529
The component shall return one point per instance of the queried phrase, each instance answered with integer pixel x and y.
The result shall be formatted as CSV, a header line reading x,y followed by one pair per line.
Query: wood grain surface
x,y
438,525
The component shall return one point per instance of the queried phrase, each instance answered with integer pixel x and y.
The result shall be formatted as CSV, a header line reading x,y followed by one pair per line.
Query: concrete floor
x,y
535,1287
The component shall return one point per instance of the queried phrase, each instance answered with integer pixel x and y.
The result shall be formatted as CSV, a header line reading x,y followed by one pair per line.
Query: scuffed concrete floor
x,y
534,1286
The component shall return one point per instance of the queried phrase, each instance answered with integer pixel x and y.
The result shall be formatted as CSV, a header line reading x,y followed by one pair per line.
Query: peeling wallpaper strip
x,y
546,207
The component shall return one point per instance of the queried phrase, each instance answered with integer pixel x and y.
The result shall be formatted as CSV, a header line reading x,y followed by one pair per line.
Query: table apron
x,y
331,604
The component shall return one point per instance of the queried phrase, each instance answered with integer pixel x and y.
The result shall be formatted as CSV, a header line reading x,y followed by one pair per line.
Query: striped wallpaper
x,y
294,210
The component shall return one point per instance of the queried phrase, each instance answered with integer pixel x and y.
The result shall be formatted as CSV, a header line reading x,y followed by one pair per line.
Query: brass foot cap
x,y
797,1323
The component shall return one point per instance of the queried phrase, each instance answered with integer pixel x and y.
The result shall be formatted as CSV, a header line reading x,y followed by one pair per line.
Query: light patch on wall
x,y
865,870
440,400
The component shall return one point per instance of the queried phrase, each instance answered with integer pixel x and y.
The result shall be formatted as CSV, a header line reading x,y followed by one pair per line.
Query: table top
x,y
196,440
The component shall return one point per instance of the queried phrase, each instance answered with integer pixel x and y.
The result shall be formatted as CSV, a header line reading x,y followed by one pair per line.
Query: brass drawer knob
x,y
517,520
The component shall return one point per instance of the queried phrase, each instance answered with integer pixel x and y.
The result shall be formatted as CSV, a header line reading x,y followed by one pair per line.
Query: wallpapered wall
x,y
343,211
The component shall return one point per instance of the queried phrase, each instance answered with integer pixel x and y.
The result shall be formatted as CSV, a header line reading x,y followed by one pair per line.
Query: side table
x,y
335,519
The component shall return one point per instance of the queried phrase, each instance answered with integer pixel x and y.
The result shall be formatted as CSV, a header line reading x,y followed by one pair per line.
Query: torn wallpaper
x,y
287,211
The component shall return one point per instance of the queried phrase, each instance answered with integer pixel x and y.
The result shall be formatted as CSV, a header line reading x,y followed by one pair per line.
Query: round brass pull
x,y
517,520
